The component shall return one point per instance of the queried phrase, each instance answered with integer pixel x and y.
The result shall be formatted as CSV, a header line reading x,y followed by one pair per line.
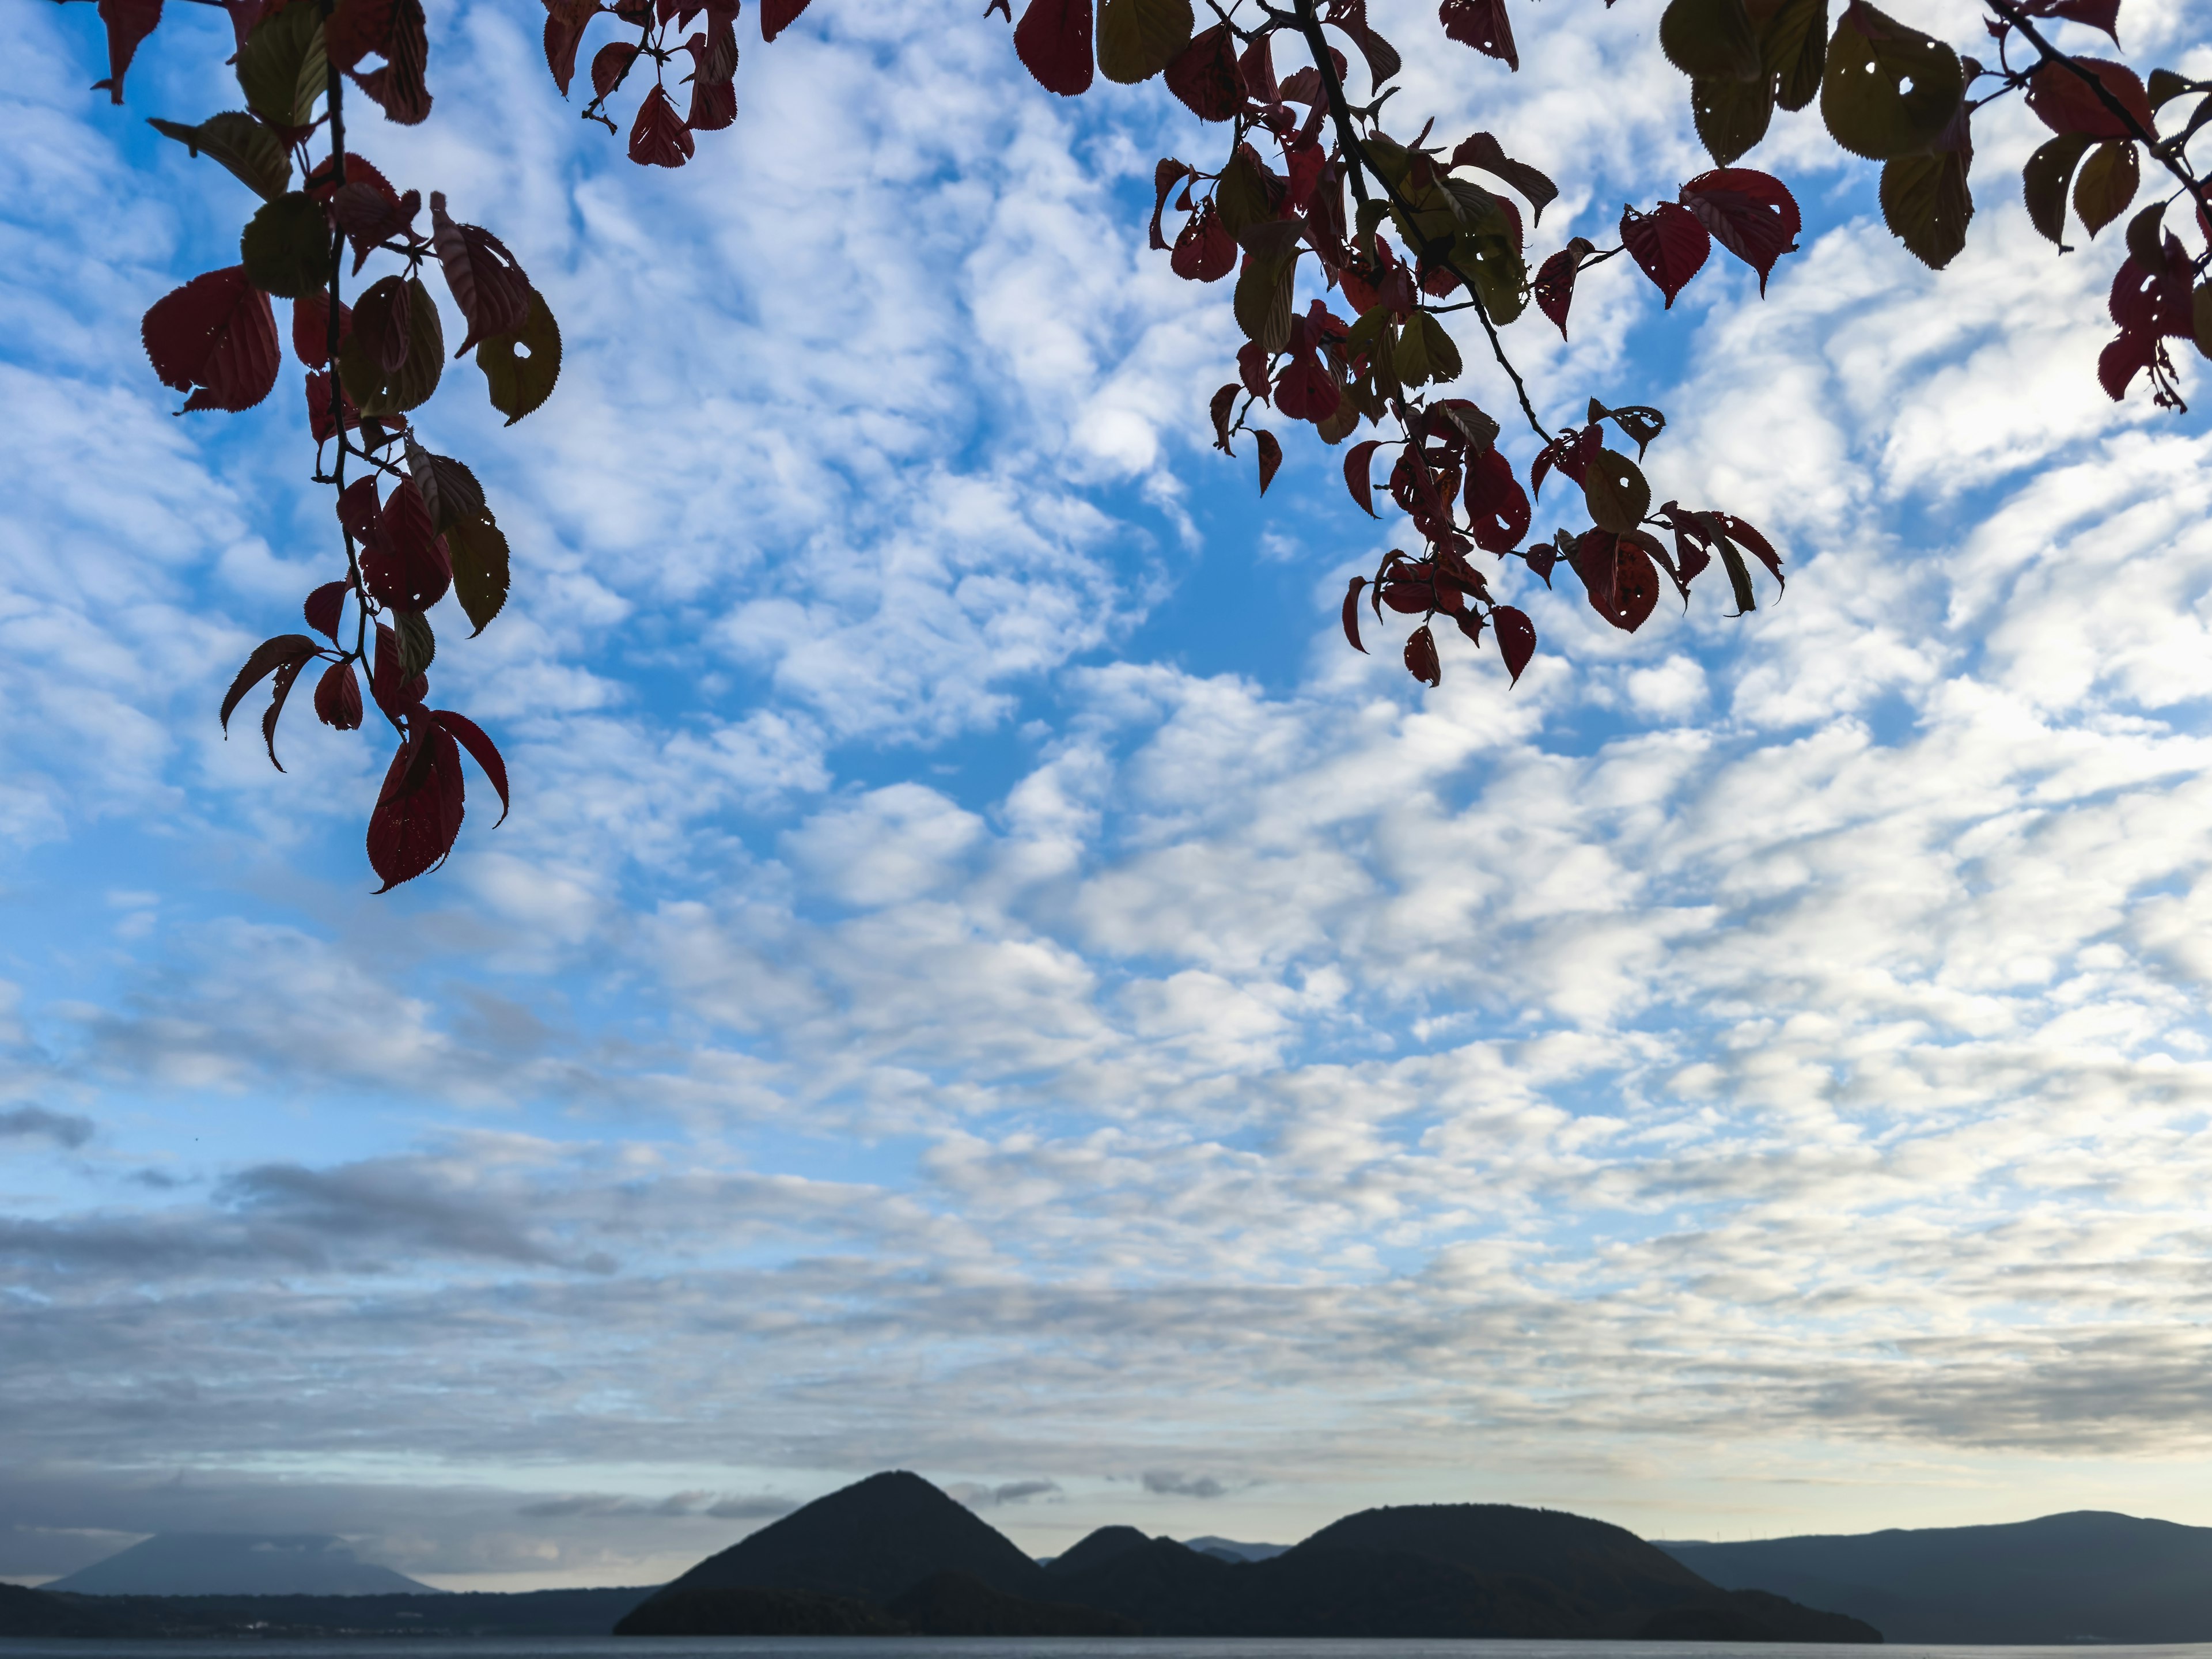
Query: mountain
x,y
1229,1549
33,1612
1095,1550
874,1541
2087,1576
237,1563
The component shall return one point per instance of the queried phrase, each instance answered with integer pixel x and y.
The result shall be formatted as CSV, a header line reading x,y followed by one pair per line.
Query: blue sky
x,y
979,979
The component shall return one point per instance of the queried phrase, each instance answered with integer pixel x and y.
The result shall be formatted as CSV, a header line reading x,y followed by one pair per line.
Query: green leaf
x,y
286,247
1241,195
410,385
1500,276
479,555
1793,48
419,646
1617,491
2166,86
1264,287
1709,40
281,69
2108,182
1927,205
447,486
2048,172
1888,90
520,366
255,156
1731,116
1138,39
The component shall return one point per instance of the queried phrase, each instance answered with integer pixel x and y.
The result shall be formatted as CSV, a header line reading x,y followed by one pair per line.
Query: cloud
x,y
36,1122
977,1496
1173,1483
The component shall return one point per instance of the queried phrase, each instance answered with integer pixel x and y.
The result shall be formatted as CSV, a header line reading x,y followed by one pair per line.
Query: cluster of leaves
x,y
1312,199
413,526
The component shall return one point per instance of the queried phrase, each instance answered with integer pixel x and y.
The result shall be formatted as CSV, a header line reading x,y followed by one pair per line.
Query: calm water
x,y
1017,1647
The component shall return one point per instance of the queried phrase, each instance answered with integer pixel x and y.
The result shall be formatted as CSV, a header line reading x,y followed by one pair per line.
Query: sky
x,y
979,978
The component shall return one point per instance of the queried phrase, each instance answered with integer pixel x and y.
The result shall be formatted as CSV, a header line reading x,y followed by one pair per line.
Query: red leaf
x,y
1166,175
280,688
129,22
1359,479
268,656
358,29
1668,242
1271,456
1517,638
777,16
1256,69
1496,504
418,813
338,697
1205,251
2153,302
565,23
406,566
1205,77
1352,614
394,697
325,605
1555,281
218,333
318,407
1571,452
609,64
1053,40
311,328
1305,391
482,747
1619,578
358,512
1761,548
713,106
1223,406
1483,25
485,280
1751,214
2067,103
659,138
1421,657
2093,14
399,89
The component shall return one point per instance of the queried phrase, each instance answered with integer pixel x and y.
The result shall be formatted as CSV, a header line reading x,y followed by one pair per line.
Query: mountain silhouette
x,y
2088,1576
1097,1548
237,1563
33,1612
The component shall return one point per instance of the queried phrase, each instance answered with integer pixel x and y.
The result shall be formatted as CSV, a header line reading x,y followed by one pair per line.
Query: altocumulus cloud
x,y
979,979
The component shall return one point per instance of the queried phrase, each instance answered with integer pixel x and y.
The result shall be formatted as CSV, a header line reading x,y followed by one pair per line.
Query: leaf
x,y
1888,90
483,277
322,421
325,605
280,688
418,645
1481,150
2166,86
1751,214
2108,182
128,23
1927,205
1617,492
376,392
449,490
1482,24
1618,577
2048,171
1271,456
1243,195
611,66
1205,251
1517,638
217,333
254,155
2200,318
395,694
311,328
281,69
1222,407
520,367
481,750
1139,38
1053,40
1421,657
1793,48
1668,243
1555,281
1383,60
338,698
399,89
1496,507
380,321
267,657
1730,116
1425,352
358,29
565,23
478,552
1639,421
1359,478
1709,40
419,813
2145,238
2066,102
658,138
287,246
1352,613
777,16
1205,76
1264,292
404,561
1741,531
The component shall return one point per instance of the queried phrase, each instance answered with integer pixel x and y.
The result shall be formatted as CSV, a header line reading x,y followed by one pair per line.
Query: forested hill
x,y
2089,1575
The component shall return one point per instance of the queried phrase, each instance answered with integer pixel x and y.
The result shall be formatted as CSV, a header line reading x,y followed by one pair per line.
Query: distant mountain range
x,y
237,1563
893,1553
2090,1576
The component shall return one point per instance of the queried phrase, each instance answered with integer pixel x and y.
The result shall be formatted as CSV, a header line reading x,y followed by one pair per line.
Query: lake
x,y
1009,1647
